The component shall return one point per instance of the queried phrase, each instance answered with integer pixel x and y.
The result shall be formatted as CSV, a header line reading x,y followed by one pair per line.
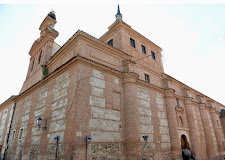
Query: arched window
x,y
39,58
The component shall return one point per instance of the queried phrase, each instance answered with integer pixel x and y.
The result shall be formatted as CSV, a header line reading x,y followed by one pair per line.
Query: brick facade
x,y
90,88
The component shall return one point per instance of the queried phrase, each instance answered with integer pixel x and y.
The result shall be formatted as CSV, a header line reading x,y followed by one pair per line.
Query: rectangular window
x,y
132,42
143,49
111,42
153,54
178,103
21,133
147,79
13,135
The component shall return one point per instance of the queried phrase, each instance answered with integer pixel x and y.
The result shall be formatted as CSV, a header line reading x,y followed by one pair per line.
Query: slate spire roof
x,y
118,15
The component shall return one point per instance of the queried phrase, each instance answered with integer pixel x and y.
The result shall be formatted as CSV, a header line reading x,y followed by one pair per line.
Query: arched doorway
x,y
184,142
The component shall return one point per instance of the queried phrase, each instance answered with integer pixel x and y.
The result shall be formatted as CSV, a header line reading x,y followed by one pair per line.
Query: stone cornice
x,y
121,22
63,67
130,77
113,27
213,110
187,100
128,28
148,69
169,93
8,101
102,45
89,61
202,106
178,96
164,75
80,35
150,85
90,37
194,102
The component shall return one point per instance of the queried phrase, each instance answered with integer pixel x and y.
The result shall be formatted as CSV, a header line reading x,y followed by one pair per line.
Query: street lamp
x,y
39,122
88,139
145,137
56,138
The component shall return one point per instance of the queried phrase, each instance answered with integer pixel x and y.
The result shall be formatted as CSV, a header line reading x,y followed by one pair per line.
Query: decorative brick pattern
x,y
213,133
58,124
145,118
196,124
3,120
104,148
36,132
104,123
107,158
163,124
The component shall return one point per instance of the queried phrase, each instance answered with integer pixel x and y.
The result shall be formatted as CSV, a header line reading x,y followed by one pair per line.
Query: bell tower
x,y
41,51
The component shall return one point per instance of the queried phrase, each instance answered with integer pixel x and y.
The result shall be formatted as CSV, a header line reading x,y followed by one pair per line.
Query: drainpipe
x,y
7,140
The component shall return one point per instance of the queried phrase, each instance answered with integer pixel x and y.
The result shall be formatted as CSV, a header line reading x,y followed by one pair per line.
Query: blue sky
x,y
192,37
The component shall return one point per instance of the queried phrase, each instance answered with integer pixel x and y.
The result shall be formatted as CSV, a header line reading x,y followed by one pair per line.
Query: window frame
x,y
153,55
147,78
20,136
143,47
132,42
110,42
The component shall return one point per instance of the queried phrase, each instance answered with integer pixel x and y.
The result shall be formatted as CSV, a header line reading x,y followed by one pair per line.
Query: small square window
x,y
143,49
21,133
147,78
132,42
111,42
153,54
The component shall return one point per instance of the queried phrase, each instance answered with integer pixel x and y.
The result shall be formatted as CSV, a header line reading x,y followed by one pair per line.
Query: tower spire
x,y
118,15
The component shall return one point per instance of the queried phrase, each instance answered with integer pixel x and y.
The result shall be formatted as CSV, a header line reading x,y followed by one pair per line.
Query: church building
x,y
106,98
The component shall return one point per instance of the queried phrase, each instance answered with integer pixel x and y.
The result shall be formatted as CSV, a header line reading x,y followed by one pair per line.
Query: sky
x,y
192,37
